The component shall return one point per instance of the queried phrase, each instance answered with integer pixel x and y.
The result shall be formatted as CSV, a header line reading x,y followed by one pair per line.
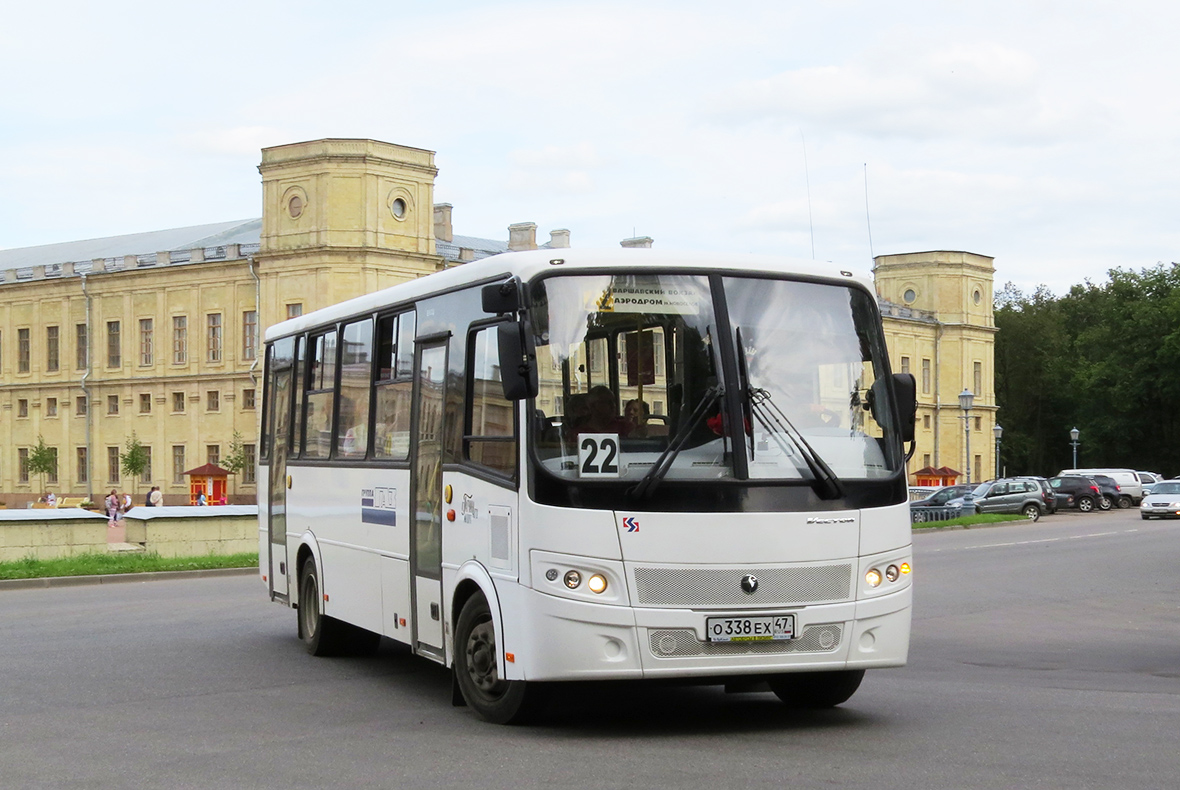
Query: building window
x,y
81,347
51,475
145,403
81,406
926,460
52,349
179,339
213,400
926,421
250,456
248,399
114,345
22,464
979,423
178,401
978,378
905,364
146,341
249,334
925,377
213,337
213,454
83,461
979,467
146,477
178,464
22,350
22,407
112,464
295,310
112,404
51,407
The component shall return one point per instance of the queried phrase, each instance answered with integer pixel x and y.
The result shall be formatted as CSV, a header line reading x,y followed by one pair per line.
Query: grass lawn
x,y
96,563
967,521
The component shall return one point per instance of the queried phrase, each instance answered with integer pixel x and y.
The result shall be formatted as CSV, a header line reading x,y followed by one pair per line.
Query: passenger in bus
x,y
636,412
604,413
577,412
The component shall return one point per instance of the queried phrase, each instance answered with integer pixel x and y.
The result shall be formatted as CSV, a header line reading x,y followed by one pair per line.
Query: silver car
x,y
1162,502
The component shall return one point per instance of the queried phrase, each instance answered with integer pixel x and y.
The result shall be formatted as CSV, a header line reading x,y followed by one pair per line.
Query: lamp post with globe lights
x,y
998,431
966,401
1073,442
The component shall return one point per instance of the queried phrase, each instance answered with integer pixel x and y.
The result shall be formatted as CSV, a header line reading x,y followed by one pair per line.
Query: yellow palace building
x,y
157,335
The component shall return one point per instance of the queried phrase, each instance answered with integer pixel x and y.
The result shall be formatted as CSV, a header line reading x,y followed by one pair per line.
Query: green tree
x,y
235,461
42,460
133,461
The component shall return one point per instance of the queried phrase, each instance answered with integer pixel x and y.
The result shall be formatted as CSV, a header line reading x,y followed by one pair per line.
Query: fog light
x,y
905,568
597,583
572,579
551,574
873,577
892,572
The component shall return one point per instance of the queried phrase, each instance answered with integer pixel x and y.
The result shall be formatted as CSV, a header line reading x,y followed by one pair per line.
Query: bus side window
x,y
356,355
295,440
395,386
321,386
490,438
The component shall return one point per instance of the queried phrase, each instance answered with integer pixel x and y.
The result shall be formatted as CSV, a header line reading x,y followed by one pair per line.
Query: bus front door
x,y
278,428
426,495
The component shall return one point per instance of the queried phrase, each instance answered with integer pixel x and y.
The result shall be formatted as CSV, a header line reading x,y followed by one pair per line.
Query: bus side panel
x,y
581,532
262,484
484,527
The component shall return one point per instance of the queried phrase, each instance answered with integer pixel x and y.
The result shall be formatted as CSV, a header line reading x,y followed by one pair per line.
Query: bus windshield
x,y
633,378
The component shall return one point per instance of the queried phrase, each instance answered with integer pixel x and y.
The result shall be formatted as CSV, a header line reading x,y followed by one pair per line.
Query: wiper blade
x,y
770,416
663,464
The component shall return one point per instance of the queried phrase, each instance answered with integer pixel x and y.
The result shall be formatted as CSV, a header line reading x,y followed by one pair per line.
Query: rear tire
x,y
477,670
1125,502
816,690
1085,504
1032,512
323,635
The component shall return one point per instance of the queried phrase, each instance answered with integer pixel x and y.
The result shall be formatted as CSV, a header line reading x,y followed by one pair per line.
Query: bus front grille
x,y
722,587
683,642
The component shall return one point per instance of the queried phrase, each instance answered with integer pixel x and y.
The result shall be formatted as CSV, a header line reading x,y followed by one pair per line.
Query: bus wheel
x,y
814,690
477,671
323,635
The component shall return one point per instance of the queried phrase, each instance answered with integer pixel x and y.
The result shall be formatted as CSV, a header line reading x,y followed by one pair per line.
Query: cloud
x,y
234,140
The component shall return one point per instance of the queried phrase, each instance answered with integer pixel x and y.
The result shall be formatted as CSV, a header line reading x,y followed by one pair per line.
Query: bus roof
x,y
527,265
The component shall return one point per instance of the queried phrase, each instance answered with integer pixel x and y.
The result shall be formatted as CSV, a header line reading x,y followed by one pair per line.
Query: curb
x,y
120,578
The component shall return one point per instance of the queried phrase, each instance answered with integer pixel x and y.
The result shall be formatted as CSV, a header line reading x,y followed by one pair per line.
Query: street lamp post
x,y
966,400
998,431
1073,442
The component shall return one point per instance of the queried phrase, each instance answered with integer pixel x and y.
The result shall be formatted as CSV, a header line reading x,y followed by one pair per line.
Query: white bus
x,y
572,465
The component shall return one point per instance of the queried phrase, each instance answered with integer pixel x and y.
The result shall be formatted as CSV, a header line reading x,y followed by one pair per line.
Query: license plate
x,y
769,628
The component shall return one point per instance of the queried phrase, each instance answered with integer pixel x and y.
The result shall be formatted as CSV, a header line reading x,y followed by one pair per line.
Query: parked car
x,y
945,503
943,495
1047,494
1075,491
1009,495
1112,493
1127,479
1162,502
1149,479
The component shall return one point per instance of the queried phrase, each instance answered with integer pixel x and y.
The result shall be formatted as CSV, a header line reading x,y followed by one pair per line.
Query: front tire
x,y
1032,512
816,690
477,669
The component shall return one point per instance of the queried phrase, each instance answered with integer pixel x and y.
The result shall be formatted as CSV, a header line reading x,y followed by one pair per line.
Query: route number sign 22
x,y
598,455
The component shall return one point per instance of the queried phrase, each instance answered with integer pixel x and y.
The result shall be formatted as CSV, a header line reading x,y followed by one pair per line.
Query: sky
x,y
1043,134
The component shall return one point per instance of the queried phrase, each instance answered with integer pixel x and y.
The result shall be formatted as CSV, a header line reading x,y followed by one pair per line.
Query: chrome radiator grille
x,y
722,586
680,642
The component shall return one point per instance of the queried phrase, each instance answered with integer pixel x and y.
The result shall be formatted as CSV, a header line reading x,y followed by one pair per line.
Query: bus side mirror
x,y
518,360
502,297
905,388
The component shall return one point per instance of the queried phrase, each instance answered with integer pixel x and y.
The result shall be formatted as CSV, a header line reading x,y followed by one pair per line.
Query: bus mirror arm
x,y
518,360
905,388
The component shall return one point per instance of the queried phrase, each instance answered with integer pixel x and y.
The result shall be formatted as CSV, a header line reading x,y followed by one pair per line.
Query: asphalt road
x,y
1044,655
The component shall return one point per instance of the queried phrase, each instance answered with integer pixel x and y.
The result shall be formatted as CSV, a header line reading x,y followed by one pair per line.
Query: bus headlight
x,y
892,573
572,579
597,583
873,578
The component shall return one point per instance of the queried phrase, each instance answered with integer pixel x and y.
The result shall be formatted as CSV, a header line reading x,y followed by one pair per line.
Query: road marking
x,y
1093,535
1042,540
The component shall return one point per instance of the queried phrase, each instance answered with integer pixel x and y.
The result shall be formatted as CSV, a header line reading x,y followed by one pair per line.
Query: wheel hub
x,y
481,658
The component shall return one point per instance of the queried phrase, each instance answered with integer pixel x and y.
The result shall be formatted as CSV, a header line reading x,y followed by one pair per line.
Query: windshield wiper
x,y
663,464
770,417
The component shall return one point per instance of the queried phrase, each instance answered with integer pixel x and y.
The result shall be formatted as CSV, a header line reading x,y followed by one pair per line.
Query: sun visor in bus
x,y
518,360
502,297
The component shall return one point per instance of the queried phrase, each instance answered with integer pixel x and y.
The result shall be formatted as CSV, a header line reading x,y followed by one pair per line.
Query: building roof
x,y
241,231
208,470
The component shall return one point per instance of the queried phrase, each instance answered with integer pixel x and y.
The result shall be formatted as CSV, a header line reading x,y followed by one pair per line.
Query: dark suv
x,y
1074,491
1010,495
1112,493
